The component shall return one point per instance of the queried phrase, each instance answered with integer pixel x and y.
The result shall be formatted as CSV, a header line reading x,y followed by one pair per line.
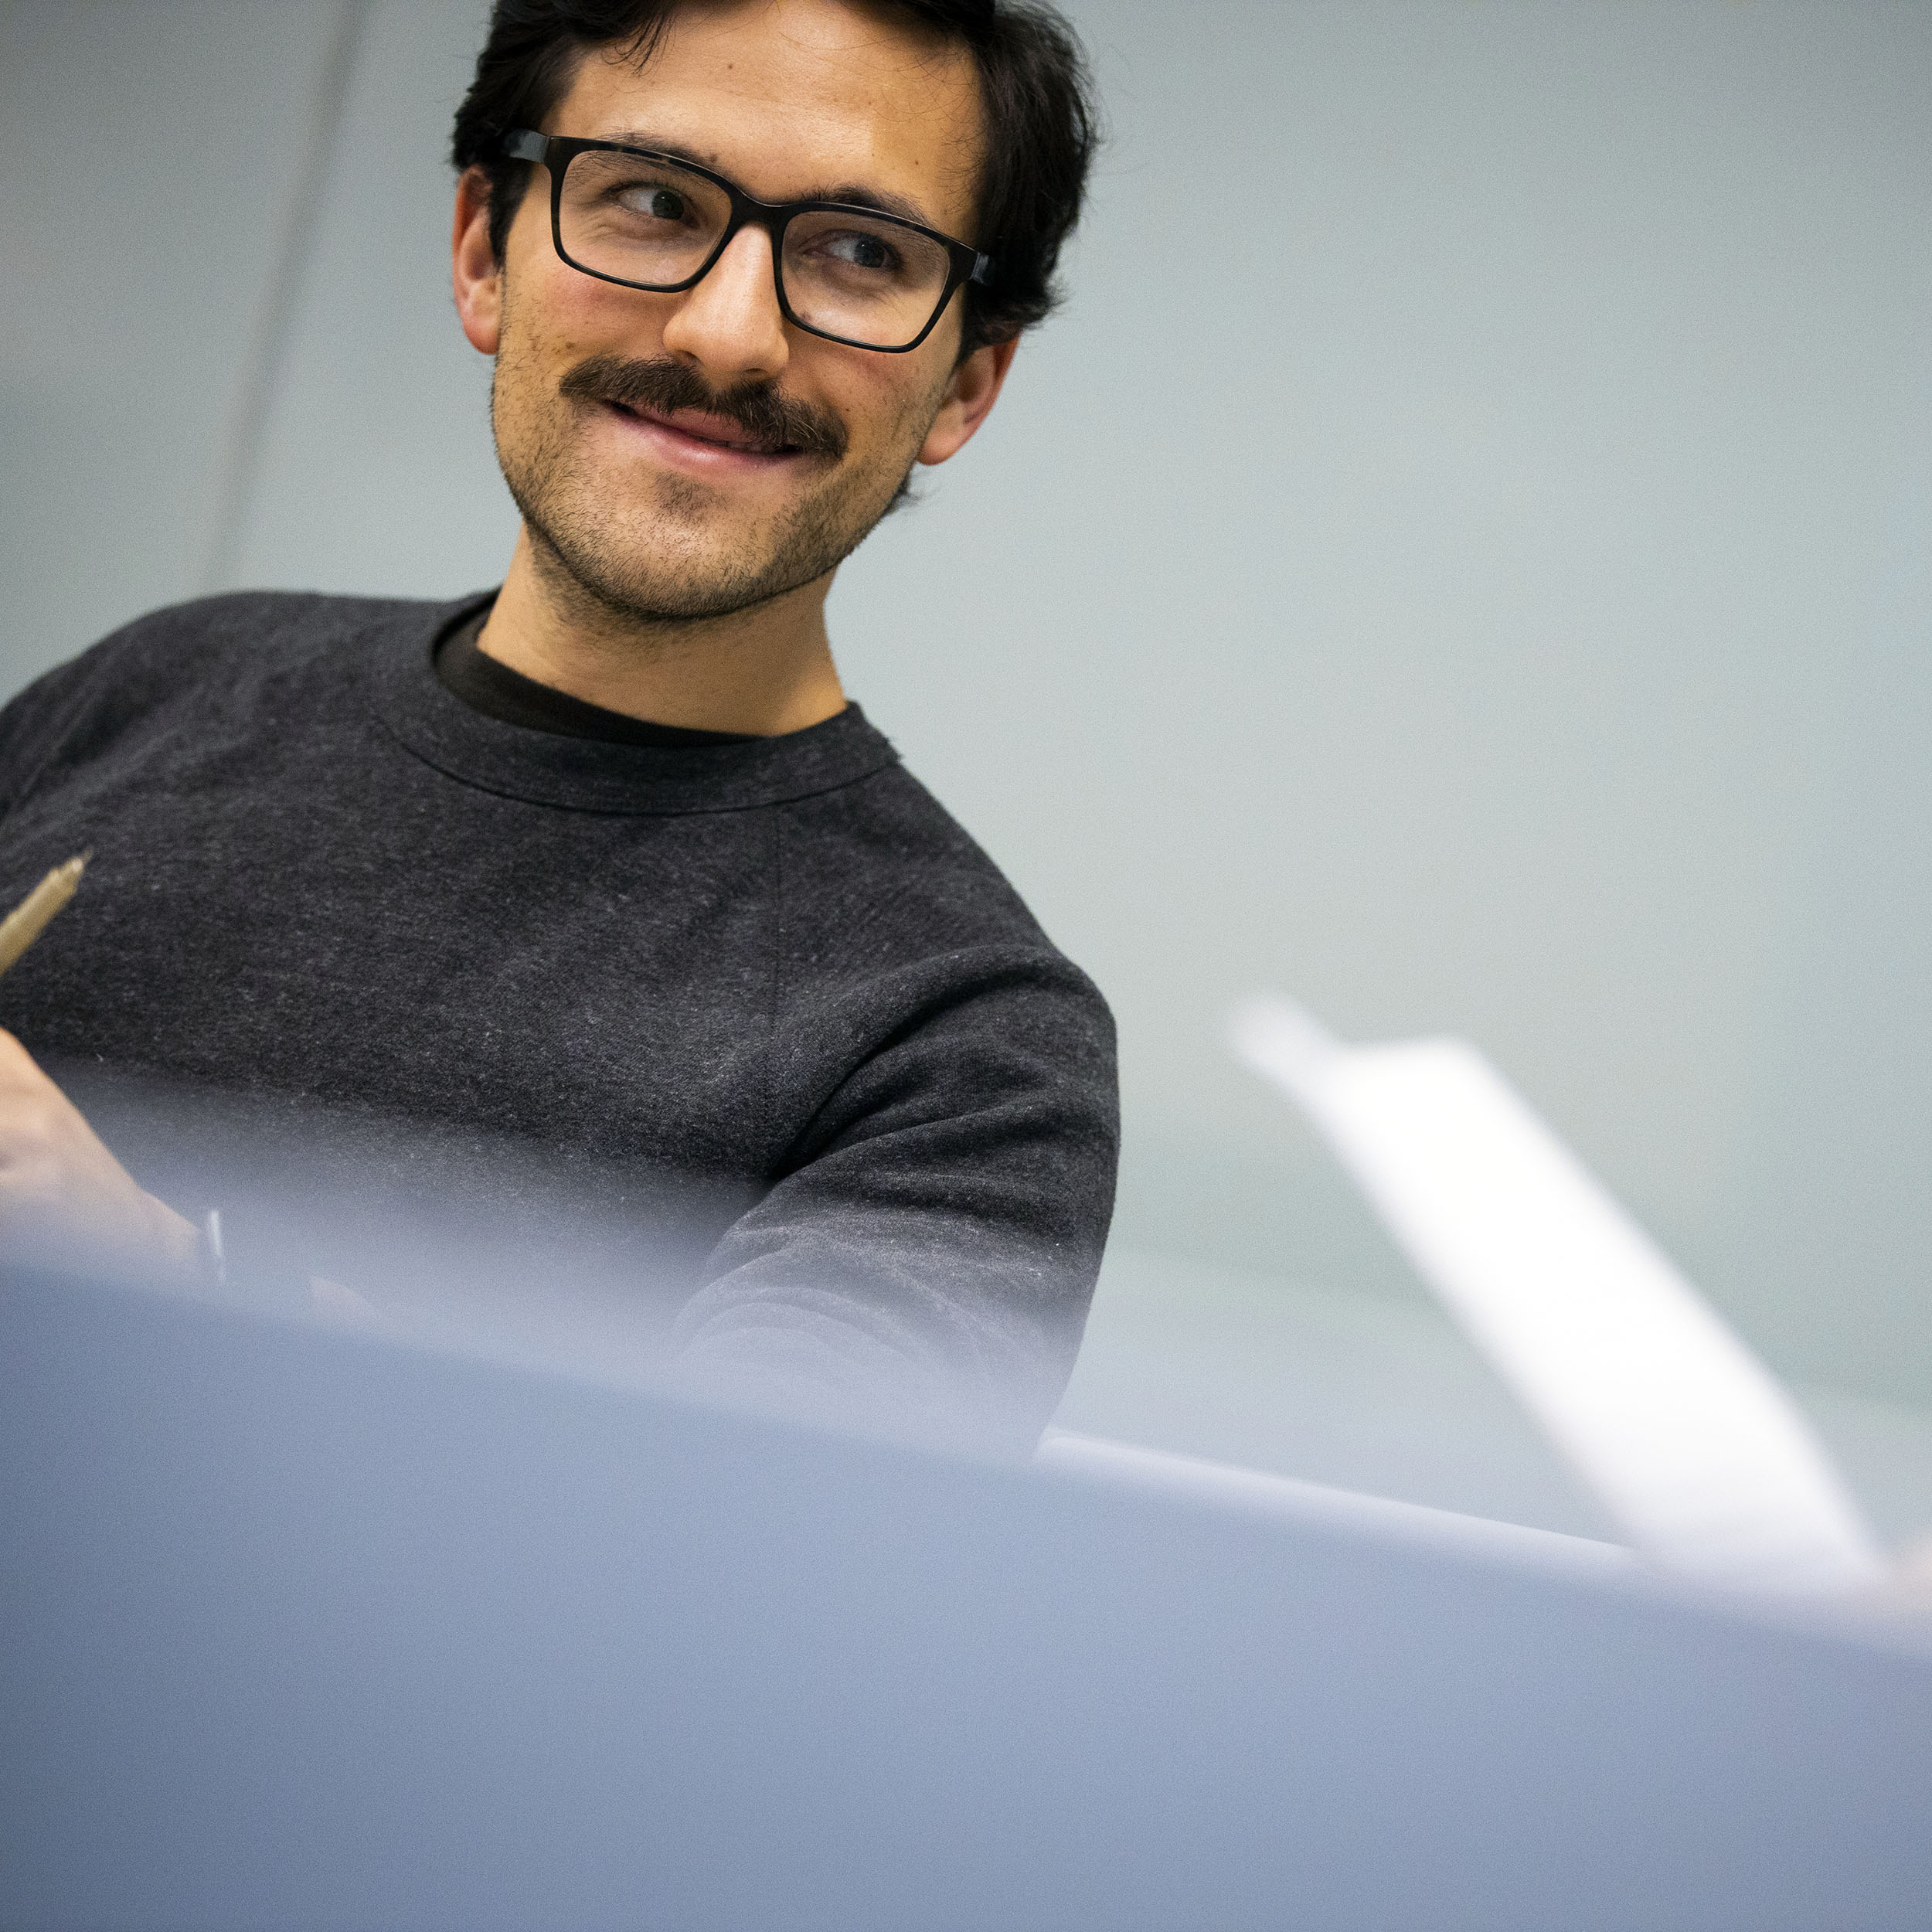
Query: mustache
x,y
663,386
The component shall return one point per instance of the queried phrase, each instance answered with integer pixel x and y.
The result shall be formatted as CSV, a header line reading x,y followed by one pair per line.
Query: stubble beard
x,y
677,551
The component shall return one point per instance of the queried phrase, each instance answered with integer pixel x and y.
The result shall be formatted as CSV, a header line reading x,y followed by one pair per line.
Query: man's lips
x,y
709,431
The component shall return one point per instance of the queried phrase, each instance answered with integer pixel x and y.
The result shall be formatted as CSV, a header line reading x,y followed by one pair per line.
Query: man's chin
x,y
692,589
666,548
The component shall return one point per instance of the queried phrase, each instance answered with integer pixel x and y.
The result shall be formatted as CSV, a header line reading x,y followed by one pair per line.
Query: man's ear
x,y
970,396
475,271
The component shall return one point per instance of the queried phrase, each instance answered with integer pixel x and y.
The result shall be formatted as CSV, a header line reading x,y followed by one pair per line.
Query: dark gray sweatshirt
x,y
743,1057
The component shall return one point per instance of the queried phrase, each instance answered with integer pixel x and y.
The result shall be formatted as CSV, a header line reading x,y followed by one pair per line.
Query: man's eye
x,y
662,204
863,251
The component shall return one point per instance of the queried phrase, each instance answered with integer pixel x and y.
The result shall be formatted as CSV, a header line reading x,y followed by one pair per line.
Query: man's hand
x,y
65,1203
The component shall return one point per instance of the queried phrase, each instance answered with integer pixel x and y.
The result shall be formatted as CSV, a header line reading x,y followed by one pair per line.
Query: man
x,y
583,941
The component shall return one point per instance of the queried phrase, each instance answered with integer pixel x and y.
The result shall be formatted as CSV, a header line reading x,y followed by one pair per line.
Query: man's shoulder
x,y
250,623
885,848
879,877
179,659
164,650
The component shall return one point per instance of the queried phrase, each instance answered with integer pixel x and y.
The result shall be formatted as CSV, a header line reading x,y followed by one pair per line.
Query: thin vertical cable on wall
x,y
262,360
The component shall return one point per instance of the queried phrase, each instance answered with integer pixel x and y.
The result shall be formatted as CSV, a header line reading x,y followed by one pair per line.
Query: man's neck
x,y
763,671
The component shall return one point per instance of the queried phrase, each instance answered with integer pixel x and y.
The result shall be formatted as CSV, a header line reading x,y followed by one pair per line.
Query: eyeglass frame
x,y
555,152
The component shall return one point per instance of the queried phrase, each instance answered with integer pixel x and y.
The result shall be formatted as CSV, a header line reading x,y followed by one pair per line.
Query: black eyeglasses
x,y
651,221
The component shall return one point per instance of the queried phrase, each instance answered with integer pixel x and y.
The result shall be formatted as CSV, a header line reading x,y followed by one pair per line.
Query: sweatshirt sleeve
x,y
35,723
924,1261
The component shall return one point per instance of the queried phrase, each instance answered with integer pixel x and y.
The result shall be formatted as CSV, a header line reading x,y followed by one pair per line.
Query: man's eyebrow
x,y
639,138
855,195
852,194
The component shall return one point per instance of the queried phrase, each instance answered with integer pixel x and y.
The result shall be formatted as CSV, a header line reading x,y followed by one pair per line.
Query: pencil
x,y
29,919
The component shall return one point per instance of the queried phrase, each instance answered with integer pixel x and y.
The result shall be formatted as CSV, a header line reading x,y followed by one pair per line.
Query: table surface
x,y
306,1628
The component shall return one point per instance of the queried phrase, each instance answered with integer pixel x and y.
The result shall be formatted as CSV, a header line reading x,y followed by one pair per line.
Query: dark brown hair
x,y
1037,101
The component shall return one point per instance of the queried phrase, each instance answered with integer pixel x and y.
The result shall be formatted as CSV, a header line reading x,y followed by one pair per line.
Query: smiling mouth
x,y
752,423
714,431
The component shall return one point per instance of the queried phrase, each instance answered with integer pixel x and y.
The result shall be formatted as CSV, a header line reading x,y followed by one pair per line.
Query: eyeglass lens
x,y
867,279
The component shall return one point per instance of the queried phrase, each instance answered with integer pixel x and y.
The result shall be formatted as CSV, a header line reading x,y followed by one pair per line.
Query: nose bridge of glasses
x,y
767,219
748,252
738,291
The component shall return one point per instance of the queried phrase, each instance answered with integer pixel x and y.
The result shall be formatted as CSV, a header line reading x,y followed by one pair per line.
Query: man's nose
x,y
729,325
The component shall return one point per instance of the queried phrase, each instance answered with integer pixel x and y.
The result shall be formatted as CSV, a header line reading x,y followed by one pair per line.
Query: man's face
x,y
630,477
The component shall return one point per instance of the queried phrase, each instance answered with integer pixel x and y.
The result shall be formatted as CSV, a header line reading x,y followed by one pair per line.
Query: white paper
x,y
1695,1449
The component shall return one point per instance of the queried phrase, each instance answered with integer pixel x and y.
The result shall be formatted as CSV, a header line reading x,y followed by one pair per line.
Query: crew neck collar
x,y
586,774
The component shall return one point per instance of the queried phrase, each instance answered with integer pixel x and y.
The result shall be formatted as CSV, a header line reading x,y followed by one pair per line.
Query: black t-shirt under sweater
x,y
739,1056
497,691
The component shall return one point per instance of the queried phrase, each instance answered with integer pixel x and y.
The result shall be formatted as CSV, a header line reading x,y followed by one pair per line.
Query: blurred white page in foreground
x,y
1697,1450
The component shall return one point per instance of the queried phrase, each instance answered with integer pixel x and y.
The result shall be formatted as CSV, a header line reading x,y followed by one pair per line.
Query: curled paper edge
x,y
1697,1452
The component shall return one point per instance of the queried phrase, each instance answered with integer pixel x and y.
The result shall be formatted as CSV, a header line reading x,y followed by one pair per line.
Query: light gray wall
x,y
152,159
1460,558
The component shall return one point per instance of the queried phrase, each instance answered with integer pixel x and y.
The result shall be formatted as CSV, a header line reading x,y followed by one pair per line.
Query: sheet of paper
x,y
1695,1447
